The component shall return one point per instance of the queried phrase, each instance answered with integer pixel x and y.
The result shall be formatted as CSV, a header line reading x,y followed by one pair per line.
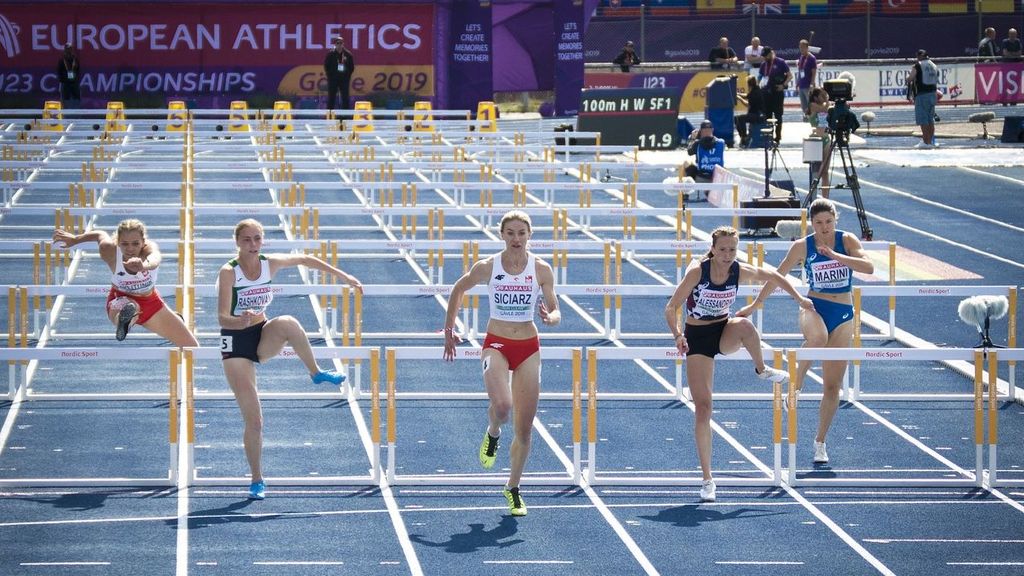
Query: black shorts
x,y
241,343
704,339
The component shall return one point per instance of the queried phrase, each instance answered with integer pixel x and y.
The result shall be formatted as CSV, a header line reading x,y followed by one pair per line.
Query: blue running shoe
x,y
329,377
257,490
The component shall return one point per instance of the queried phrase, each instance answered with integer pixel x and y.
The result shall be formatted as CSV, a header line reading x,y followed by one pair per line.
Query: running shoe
x,y
820,455
488,451
124,320
257,490
707,491
516,506
772,375
328,377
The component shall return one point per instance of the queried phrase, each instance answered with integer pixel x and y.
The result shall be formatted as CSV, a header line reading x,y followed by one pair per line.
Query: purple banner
x,y
999,83
568,56
471,46
524,39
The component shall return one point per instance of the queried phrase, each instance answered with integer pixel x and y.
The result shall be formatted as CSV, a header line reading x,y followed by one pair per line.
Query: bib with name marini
x,y
824,274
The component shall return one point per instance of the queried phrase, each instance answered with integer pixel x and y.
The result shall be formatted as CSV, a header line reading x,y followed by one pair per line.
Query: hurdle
x,y
965,477
191,396
33,356
994,356
771,477
569,476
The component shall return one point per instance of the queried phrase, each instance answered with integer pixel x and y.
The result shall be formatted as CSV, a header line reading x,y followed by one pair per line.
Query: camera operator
x,y
709,150
754,101
775,76
818,108
923,79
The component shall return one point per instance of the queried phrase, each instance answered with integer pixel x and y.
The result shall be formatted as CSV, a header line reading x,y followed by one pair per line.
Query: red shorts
x,y
148,305
514,351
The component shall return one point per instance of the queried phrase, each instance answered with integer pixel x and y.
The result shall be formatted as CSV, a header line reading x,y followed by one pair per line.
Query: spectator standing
x,y
806,75
775,76
752,58
339,66
988,50
627,57
69,73
1011,46
924,79
722,56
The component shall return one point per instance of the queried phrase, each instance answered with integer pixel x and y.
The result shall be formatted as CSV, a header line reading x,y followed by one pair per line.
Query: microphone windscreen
x,y
788,229
996,306
973,311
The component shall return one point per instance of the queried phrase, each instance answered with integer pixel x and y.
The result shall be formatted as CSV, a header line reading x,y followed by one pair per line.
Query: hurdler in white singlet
x,y
513,298
141,283
254,295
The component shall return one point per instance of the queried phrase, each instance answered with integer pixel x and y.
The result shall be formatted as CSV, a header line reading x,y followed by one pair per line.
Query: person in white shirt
x,y
752,58
519,285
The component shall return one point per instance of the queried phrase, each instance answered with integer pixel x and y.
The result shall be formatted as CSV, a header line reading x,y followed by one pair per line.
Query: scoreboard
x,y
631,116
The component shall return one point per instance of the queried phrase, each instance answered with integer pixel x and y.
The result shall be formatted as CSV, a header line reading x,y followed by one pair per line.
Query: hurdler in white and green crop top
x,y
254,295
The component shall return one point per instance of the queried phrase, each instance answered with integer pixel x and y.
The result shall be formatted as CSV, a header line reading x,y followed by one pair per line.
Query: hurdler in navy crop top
x,y
710,301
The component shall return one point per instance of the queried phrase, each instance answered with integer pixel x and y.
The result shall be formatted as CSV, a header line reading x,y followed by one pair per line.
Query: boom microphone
x,y
788,229
973,311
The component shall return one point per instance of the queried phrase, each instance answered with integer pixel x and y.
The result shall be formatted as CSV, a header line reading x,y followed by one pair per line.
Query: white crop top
x,y
513,298
141,283
254,295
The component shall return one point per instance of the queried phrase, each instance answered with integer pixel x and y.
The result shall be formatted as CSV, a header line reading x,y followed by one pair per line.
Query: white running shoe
x,y
922,145
772,375
707,491
820,455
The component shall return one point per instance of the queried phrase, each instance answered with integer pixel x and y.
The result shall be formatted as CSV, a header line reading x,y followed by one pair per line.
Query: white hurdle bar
x,y
570,476
175,361
975,356
594,477
349,353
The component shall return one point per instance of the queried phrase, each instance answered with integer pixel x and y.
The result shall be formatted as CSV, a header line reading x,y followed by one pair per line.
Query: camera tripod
x,y
772,157
841,142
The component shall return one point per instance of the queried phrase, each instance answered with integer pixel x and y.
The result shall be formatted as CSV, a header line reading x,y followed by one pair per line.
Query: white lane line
x,y
297,563
1007,179
64,564
759,562
984,563
941,541
943,206
528,562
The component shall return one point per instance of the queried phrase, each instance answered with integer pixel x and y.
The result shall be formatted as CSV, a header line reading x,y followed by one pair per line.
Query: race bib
x,y
227,344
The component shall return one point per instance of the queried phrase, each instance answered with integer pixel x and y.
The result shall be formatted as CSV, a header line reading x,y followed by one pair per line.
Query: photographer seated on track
x,y
709,150
247,337
133,299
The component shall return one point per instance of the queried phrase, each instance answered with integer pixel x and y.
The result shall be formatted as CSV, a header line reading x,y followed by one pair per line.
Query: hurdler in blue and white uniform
x,y
830,257
247,337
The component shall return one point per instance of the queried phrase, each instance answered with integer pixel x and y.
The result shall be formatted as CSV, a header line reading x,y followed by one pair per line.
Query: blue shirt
x,y
708,159
824,274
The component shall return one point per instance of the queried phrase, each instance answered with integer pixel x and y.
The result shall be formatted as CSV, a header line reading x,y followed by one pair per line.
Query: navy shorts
x,y
704,339
242,343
